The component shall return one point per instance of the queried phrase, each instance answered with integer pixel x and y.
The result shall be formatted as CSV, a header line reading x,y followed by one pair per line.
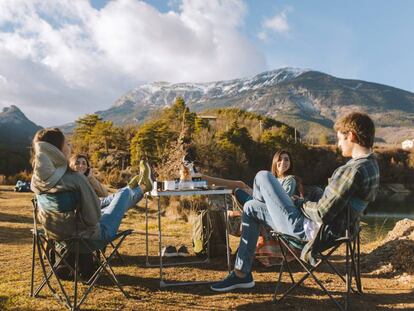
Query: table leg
x,y
160,240
146,232
227,234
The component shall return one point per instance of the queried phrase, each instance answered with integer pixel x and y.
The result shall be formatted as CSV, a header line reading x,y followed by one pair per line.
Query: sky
x,y
61,59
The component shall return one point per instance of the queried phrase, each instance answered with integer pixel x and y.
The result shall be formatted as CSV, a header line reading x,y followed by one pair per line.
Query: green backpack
x,y
209,225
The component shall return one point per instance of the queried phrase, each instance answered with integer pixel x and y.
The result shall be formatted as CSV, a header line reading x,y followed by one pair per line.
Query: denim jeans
x,y
113,209
270,206
242,196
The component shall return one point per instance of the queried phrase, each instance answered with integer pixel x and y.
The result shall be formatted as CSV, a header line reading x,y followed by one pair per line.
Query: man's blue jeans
x,y
271,206
114,208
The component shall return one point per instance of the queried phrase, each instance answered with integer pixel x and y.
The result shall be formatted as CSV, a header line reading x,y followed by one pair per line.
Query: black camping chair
x,y
351,239
54,254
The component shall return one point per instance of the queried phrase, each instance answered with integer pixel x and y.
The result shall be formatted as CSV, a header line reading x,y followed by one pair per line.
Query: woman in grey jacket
x,y
51,174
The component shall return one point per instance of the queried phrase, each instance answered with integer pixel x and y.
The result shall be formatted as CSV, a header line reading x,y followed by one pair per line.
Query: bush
x,y
116,178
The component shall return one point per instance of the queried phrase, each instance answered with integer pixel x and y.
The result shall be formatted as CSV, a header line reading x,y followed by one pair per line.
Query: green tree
x,y
151,140
239,136
82,134
178,115
103,135
201,124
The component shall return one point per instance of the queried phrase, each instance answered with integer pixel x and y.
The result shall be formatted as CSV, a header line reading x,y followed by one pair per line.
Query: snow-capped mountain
x,y
306,99
159,93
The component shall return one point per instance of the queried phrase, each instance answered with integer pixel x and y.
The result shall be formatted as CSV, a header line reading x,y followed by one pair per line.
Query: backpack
x,y
209,226
87,265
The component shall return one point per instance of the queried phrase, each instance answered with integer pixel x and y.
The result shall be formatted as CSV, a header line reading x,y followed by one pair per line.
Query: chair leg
x,y
117,253
310,272
348,275
46,276
61,257
104,266
75,277
108,269
284,253
355,267
358,266
335,270
297,284
65,301
278,282
33,264
111,273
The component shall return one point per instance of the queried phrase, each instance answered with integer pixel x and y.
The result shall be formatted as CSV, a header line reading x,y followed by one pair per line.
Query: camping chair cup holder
x,y
288,244
52,254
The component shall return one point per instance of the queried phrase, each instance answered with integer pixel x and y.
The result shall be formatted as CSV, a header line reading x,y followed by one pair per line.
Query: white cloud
x,y
275,24
66,58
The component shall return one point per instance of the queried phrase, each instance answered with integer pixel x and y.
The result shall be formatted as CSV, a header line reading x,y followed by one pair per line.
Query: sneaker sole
x,y
169,255
235,286
183,254
150,177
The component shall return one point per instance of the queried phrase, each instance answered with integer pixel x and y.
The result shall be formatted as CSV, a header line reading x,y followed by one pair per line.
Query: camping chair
x,y
288,244
56,253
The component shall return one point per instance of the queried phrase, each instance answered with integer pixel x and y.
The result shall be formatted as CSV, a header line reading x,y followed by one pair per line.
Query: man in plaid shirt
x,y
354,184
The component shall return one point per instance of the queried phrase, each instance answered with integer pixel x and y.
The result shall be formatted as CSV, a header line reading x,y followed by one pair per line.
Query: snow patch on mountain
x,y
163,93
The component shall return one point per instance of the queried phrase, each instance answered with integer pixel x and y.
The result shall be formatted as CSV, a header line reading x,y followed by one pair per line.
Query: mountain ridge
x,y
16,134
16,130
307,99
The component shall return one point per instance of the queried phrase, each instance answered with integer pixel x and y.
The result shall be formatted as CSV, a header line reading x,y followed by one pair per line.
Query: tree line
x,y
226,142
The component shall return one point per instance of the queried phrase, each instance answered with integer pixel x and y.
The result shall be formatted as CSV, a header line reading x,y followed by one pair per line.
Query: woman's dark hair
x,y
53,136
276,158
78,156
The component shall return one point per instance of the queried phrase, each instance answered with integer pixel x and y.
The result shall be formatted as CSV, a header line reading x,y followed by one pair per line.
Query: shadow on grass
x,y
15,218
216,264
139,210
220,263
3,302
299,300
356,302
15,235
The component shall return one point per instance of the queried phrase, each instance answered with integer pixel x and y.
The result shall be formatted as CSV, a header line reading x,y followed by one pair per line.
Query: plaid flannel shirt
x,y
354,183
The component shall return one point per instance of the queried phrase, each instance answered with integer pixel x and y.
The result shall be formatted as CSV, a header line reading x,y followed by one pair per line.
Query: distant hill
x,y
308,100
16,134
16,130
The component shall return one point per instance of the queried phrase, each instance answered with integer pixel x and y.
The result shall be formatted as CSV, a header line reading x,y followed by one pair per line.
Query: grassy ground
x,y
143,283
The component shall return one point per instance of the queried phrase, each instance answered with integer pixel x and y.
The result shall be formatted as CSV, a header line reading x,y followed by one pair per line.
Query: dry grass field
x,y
142,283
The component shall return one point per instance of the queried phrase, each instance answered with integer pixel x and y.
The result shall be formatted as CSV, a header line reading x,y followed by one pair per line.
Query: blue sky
x,y
60,59
369,40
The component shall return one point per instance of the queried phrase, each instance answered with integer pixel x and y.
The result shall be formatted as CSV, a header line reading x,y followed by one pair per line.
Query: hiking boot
x,y
232,281
133,183
183,251
146,181
169,251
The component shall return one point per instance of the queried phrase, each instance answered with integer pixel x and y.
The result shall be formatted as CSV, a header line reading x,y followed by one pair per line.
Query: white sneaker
x,y
169,251
183,251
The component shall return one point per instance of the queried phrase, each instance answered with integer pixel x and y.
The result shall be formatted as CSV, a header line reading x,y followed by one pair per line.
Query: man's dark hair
x,y
360,124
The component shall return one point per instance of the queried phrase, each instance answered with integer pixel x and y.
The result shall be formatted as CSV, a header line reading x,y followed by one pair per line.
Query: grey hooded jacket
x,y
51,175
